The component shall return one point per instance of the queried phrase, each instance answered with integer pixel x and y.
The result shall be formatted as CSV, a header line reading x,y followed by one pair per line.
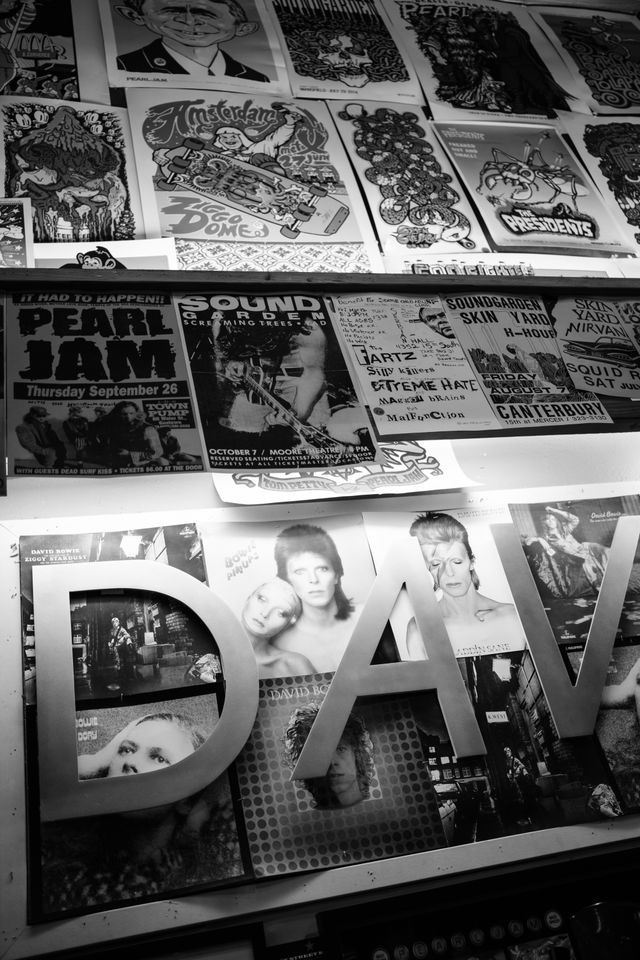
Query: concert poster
x,y
244,169
16,234
413,372
118,255
402,466
510,342
343,51
505,265
375,801
609,147
98,386
486,60
602,48
37,45
530,190
567,545
271,383
417,203
598,350
297,588
75,163
463,568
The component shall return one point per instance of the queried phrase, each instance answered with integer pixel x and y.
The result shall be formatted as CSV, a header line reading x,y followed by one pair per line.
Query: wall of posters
x,y
344,52
231,49
100,386
529,188
414,374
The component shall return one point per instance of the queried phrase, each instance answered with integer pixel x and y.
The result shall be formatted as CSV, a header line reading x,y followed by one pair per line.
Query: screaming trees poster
x,y
99,386
486,60
414,196
240,169
529,188
336,51
74,162
271,383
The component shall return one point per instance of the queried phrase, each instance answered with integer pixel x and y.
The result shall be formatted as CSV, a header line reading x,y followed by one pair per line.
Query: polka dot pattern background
x,y
286,833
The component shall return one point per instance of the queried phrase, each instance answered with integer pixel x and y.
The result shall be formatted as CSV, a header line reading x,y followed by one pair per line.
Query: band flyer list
x,y
414,374
99,386
510,342
271,383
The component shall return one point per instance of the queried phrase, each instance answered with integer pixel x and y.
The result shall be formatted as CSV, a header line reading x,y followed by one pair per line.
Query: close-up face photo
x,y
451,568
313,578
150,745
268,609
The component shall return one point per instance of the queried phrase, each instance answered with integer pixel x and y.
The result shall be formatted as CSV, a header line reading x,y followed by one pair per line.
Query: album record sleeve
x,y
511,344
375,801
483,59
16,234
119,255
343,52
597,347
75,163
413,372
529,188
233,49
567,546
233,167
601,47
98,386
297,588
463,568
608,147
271,383
417,203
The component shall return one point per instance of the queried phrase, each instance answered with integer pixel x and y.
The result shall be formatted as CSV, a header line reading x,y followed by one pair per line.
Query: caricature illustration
x,y
262,164
484,60
607,54
416,193
616,147
350,46
36,49
189,37
70,163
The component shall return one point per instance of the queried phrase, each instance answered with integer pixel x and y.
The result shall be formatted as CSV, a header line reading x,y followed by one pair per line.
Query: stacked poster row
x,y
388,721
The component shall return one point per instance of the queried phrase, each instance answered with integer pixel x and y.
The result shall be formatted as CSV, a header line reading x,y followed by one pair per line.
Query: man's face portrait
x,y
313,578
200,23
151,745
342,775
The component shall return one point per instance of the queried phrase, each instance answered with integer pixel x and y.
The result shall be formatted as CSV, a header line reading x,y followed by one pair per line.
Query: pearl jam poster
x,y
510,342
603,50
271,383
376,799
416,200
75,164
483,59
412,370
343,51
98,386
609,147
245,169
530,189
153,45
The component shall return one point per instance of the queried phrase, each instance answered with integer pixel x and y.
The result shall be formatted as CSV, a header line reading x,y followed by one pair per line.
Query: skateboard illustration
x,y
258,188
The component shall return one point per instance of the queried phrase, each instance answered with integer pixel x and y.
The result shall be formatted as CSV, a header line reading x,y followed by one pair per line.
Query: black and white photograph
x,y
271,383
617,726
376,799
297,588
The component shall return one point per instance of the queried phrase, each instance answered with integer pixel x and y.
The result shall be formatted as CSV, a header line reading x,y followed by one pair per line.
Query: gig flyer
x,y
483,59
596,347
343,52
98,386
530,190
414,195
376,799
567,545
414,374
510,343
271,383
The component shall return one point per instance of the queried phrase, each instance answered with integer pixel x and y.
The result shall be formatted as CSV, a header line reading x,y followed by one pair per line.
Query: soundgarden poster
x,y
530,189
271,383
98,386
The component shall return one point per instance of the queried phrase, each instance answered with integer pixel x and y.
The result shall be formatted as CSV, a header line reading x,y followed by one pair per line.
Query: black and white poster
x,y
271,383
98,386
37,50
